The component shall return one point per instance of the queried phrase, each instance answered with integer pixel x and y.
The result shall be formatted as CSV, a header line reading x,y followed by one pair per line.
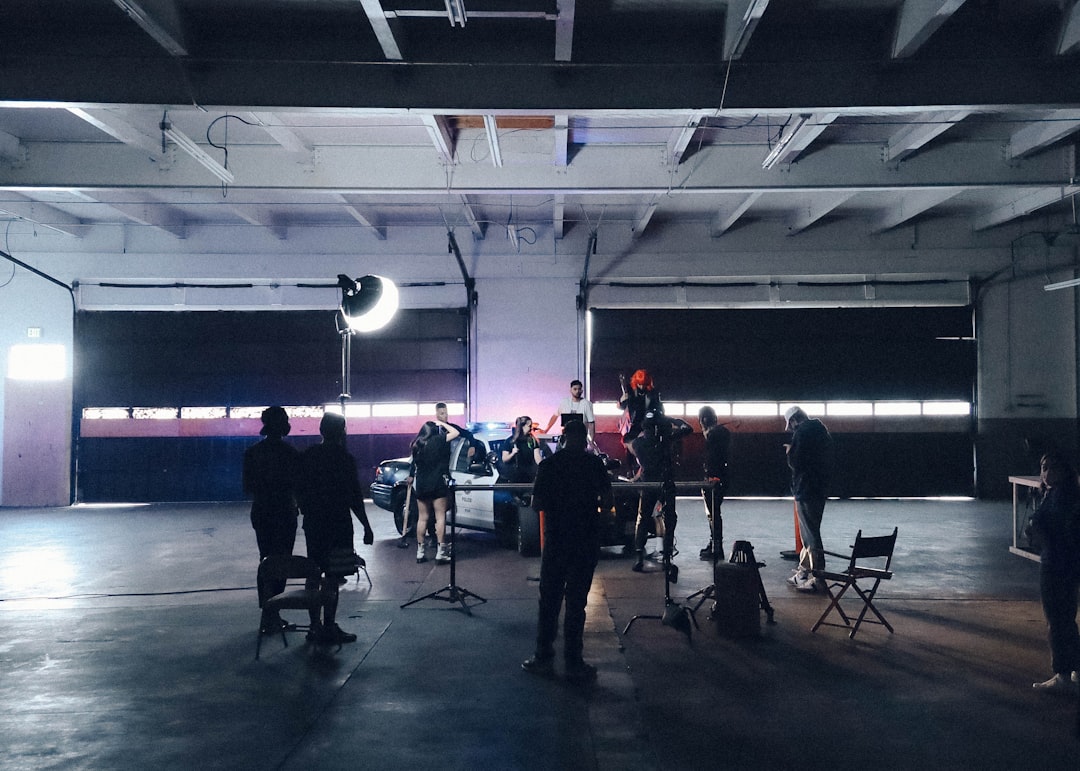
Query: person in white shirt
x,y
575,403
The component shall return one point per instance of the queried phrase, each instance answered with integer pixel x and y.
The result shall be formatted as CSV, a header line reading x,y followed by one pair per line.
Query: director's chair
x,y
870,561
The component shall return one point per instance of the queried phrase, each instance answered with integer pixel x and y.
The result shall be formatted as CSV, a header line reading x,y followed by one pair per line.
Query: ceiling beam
x,y
989,82
913,136
475,225
43,215
1053,126
681,138
561,142
558,216
144,210
492,130
119,129
795,137
442,136
564,30
384,31
161,20
280,133
382,170
917,21
1069,41
10,147
911,205
641,221
722,222
354,212
820,206
1027,202
739,24
264,219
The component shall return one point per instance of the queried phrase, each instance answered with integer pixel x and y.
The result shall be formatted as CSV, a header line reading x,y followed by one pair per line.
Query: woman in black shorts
x,y
430,472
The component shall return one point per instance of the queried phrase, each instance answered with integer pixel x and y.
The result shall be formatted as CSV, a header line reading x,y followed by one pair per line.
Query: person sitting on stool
x,y
572,487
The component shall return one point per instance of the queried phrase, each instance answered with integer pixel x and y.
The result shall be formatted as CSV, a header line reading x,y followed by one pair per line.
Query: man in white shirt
x,y
575,403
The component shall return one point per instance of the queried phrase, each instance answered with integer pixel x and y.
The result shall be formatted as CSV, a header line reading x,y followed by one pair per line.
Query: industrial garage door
x,y
884,372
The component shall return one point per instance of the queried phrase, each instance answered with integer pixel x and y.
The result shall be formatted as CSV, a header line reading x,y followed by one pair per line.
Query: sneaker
x,y
799,577
811,586
315,633
421,553
1058,682
339,635
706,554
580,672
403,542
545,667
442,556
639,566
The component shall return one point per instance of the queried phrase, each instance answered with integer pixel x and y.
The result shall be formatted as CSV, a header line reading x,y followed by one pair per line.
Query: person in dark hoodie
x,y
809,456
1056,524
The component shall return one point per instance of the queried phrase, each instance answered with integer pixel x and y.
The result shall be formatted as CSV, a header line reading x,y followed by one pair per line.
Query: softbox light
x,y
367,303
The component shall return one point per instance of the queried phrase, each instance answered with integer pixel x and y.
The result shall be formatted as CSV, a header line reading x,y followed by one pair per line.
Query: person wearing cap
x,y
328,491
269,476
809,456
572,488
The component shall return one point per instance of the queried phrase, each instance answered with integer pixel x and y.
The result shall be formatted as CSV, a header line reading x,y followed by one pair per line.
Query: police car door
x,y
474,508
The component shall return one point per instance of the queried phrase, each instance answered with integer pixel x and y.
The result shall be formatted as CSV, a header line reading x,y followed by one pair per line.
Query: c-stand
x,y
451,592
676,616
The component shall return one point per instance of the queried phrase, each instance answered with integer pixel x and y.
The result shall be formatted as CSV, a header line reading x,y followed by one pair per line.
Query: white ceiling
x,y
658,114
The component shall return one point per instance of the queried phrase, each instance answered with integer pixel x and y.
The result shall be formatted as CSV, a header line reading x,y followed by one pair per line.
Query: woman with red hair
x,y
641,399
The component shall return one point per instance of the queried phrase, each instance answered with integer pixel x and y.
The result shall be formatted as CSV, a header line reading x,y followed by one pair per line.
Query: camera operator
x,y
653,448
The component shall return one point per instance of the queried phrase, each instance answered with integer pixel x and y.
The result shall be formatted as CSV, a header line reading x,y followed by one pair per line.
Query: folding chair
x,y
345,562
878,551
292,568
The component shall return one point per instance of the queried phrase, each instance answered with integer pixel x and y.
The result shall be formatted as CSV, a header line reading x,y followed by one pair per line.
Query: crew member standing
x,y
810,458
269,477
717,448
572,488
329,491
576,404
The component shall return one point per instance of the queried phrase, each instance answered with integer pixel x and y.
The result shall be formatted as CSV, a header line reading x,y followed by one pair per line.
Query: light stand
x,y
675,615
451,592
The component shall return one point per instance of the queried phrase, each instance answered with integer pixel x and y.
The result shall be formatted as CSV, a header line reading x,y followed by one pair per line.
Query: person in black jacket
x,y
1057,525
572,488
270,474
717,447
809,456
329,490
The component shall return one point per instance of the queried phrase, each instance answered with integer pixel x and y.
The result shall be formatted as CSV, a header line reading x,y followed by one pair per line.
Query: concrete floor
x,y
129,638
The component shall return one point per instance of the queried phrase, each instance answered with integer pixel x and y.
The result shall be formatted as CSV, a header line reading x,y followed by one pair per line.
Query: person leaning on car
x,y
572,487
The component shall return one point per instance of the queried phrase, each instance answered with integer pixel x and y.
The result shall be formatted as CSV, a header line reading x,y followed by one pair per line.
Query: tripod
x,y
451,592
675,615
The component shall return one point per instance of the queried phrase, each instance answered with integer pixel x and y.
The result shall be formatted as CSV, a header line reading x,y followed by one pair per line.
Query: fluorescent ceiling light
x,y
455,9
1062,284
788,133
185,143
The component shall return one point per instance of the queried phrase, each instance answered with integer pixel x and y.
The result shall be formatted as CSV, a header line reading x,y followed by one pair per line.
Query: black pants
x,y
566,570
642,527
275,536
714,499
1059,601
